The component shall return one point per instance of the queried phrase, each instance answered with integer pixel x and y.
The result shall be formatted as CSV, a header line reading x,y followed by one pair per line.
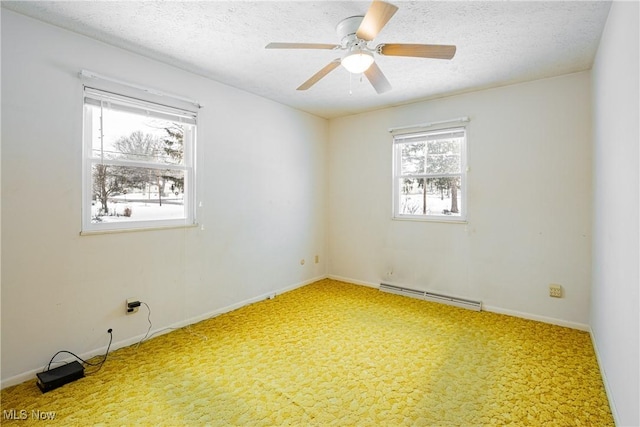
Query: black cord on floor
x,y
106,354
99,364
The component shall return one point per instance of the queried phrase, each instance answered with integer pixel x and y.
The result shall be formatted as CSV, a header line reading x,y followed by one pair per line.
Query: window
x,y
429,175
138,160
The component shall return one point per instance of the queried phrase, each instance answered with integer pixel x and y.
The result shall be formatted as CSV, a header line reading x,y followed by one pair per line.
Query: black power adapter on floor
x,y
57,377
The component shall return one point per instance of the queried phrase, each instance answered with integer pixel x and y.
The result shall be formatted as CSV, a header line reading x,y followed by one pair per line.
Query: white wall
x,y
264,172
616,255
529,201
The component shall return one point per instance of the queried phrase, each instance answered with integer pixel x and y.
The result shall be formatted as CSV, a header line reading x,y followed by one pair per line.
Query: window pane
x,y
136,137
444,156
411,196
412,158
440,196
121,194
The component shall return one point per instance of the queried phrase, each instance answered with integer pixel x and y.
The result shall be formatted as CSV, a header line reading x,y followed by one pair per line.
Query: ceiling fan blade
x,y
377,79
437,51
301,46
376,18
320,74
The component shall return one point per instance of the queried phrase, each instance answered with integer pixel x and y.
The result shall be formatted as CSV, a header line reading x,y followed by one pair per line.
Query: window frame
x,y
135,103
397,175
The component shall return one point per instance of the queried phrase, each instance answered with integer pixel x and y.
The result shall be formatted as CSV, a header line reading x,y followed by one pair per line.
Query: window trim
x,y
464,169
135,101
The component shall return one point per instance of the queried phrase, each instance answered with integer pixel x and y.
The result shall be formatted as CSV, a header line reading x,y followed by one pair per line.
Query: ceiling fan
x,y
355,33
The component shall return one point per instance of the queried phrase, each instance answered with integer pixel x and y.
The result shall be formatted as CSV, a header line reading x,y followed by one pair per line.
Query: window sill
x,y
135,230
437,219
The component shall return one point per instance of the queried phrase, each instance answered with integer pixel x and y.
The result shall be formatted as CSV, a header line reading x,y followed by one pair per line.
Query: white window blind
x,y
113,101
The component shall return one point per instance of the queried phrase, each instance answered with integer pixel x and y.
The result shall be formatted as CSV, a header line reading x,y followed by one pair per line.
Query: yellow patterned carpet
x,y
337,354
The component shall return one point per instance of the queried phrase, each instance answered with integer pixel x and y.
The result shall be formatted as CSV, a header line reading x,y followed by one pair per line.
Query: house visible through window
x,y
138,163
429,179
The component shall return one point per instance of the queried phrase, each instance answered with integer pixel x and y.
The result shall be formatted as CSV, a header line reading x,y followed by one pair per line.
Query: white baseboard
x,y
603,374
26,376
536,317
243,303
353,281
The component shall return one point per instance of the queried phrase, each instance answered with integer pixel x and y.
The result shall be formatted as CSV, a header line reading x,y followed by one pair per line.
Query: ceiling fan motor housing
x,y
346,30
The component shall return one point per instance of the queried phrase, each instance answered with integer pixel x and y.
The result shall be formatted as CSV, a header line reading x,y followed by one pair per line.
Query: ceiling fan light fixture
x,y
357,61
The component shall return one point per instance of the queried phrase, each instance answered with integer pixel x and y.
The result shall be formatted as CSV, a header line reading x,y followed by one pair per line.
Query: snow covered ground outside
x,y
143,207
411,204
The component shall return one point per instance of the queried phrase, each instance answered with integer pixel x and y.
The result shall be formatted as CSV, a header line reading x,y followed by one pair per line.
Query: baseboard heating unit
x,y
430,296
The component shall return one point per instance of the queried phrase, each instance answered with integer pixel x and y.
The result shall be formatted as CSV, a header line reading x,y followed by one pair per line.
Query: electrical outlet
x,y
302,261
317,259
555,291
132,305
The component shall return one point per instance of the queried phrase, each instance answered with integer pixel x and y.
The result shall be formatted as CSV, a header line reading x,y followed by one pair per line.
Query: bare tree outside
x,y
110,180
106,182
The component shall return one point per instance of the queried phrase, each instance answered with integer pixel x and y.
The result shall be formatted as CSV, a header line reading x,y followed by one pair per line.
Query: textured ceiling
x,y
498,43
